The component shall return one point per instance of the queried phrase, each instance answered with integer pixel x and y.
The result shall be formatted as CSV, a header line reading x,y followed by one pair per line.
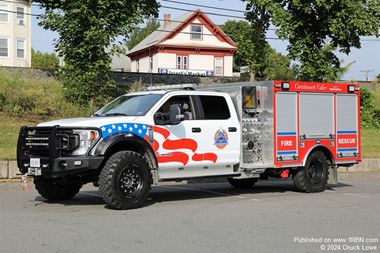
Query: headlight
x,y
86,139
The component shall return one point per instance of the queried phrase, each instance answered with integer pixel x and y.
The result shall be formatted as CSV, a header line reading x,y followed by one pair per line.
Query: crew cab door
x,y
205,143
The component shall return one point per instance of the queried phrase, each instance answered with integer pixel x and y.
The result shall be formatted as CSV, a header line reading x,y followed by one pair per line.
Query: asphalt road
x,y
210,217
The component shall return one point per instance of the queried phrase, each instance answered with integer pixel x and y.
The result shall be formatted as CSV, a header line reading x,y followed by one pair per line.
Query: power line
x,y
208,13
203,34
19,2
187,22
28,14
205,6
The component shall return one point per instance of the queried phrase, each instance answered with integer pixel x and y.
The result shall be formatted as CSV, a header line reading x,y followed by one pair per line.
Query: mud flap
x,y
333,175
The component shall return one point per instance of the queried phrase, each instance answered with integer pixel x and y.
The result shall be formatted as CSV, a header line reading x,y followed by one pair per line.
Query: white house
x,y
15,33
190,44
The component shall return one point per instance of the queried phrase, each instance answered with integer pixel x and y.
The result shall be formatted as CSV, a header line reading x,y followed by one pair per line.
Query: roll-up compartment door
x,y
316,115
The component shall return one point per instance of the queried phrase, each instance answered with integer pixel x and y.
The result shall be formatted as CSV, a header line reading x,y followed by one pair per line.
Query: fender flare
x,y
324,149
129,141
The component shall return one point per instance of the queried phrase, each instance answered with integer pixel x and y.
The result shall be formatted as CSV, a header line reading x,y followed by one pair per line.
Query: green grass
x,y
10,127
370,143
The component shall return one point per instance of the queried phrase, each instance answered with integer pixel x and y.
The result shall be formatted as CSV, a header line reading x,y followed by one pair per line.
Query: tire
x,y
125,180
242,183
53,190
313,177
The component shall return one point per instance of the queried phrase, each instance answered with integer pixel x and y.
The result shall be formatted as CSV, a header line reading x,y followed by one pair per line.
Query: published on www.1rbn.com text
x,y
354,243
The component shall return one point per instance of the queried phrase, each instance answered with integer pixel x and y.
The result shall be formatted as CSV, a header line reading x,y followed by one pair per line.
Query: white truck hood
x,y
89,122
107,125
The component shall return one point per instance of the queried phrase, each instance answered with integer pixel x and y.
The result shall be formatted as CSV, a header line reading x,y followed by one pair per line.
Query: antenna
x,y
367,71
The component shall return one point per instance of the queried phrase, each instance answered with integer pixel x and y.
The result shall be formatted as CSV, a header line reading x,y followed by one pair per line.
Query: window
x,y
134,105
4,13
218,66
182,62
179,62
20,47
196,32
3,47
215,107
161,117
185,62
20,14
137,66
151,64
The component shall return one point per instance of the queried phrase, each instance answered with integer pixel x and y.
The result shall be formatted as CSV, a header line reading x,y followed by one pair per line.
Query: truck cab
x,y
177,134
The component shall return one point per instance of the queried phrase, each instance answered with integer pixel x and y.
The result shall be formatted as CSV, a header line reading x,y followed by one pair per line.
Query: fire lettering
x,y
286,143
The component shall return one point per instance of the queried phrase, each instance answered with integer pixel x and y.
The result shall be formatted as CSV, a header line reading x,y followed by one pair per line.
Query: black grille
x,y
37,142
49,142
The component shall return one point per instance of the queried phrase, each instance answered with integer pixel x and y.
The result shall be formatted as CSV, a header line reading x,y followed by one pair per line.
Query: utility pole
x,y
367,71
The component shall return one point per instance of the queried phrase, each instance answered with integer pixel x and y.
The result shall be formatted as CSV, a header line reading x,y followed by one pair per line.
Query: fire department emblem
x,y
221,139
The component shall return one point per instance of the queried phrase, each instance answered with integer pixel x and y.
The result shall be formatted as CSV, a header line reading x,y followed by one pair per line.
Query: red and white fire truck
x,y
239,131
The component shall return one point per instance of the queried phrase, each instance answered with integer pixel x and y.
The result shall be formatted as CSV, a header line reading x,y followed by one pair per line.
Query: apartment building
x,y
15,33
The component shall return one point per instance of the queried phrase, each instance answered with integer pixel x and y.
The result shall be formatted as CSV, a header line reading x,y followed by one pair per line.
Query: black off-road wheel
x,y
54,189
314,176
242,183
125,180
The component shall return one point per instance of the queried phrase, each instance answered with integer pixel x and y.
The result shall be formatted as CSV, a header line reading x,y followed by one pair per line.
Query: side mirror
x,y
175,114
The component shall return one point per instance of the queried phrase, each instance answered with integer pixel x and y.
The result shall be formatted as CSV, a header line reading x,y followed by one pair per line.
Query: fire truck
x,y
239,131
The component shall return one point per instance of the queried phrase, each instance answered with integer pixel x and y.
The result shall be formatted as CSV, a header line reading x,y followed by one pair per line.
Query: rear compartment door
x,y
286,127
347,125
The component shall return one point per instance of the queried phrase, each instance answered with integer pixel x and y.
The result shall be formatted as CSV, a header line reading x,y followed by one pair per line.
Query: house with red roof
x,y
190,44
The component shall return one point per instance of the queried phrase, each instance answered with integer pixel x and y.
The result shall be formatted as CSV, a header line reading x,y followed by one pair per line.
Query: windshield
x,y
137,105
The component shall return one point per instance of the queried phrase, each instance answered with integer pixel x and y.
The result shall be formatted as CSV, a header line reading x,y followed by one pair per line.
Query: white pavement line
x,y
356,195
212,192
85,193
373,184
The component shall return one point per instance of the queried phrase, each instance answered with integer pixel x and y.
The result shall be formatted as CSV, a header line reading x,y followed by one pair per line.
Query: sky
x,y
366,59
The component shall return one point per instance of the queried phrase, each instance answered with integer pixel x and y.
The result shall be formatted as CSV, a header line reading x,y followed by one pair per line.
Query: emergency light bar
x,y
186,86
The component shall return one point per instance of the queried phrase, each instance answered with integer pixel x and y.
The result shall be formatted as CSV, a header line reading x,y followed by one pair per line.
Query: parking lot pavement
x,y
210,217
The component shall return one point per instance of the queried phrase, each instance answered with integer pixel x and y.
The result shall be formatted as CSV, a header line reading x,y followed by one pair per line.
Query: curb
x,y
9,169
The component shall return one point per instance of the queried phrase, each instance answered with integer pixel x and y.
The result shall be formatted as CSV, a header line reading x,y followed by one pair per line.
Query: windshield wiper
x,y
115,114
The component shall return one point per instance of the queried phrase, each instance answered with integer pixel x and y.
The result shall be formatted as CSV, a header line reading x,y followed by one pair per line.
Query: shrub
x,y
32,93
370,113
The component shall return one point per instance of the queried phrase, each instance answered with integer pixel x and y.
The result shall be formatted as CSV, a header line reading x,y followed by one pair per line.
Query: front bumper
x,y
46,151
61,166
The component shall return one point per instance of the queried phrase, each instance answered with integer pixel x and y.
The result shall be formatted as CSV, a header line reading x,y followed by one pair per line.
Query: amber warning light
x,y
285,85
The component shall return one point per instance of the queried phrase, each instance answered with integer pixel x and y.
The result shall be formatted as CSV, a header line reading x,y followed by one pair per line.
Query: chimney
x,y
166,20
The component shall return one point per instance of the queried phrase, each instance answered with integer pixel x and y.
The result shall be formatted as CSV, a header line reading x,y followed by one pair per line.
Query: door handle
x,y
196,130
232,129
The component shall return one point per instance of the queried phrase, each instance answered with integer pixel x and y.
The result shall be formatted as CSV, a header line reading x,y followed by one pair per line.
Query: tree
x,y
272,65
138,34
44,60
315,29
259,18
86,28
240,32
278,66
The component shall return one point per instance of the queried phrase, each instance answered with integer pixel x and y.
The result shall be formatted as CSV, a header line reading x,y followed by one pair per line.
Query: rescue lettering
x,y
347,141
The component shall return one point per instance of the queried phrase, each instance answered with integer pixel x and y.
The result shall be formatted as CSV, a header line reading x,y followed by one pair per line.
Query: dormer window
x,y
196,32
